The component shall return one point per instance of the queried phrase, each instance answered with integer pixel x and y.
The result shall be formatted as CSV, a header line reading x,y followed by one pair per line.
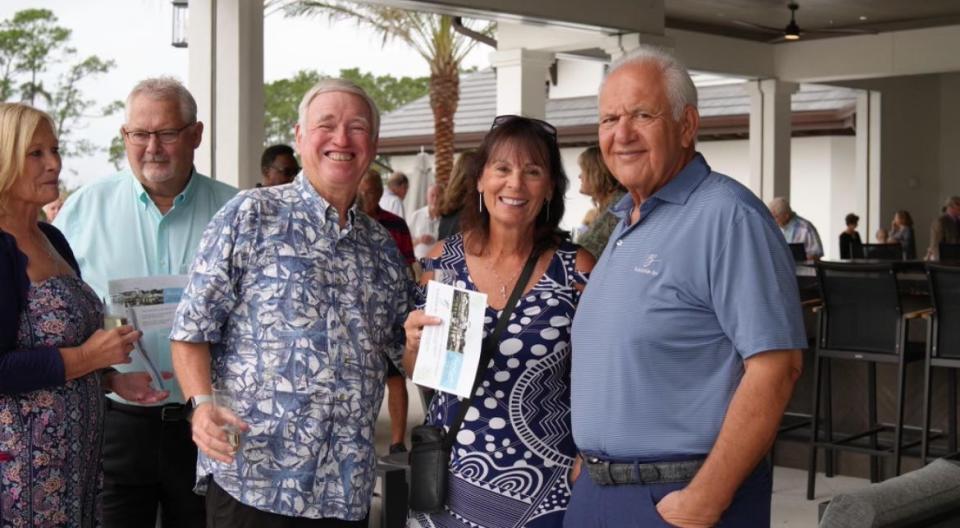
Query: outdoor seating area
x,y
480,264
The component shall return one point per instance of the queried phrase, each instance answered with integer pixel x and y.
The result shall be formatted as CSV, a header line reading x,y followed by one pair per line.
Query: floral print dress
x,y
54,435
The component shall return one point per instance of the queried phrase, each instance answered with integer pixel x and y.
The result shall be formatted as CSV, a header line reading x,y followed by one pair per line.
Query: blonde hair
x,y
601,183
18,124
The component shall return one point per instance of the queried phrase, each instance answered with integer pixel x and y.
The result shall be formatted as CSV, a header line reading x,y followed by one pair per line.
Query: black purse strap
x,y
489,346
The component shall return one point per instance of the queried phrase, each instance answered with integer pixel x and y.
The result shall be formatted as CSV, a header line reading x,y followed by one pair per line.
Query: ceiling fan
x,y
792,30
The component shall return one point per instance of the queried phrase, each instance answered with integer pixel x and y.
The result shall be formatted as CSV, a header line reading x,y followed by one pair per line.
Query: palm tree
x,y
431,35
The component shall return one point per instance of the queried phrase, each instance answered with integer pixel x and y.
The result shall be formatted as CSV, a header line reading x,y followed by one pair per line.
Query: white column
x,y
522,81
226,78
770,132
867,162
201,35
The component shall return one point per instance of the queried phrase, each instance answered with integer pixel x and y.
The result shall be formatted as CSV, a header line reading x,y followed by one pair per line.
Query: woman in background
x,y
850,244
451,201
901,231
597,183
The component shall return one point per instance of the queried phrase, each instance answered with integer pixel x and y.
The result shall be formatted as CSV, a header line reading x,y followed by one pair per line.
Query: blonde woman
x,y
52,351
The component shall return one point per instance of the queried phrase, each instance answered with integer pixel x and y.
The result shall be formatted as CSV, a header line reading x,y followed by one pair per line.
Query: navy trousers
x,y
635,506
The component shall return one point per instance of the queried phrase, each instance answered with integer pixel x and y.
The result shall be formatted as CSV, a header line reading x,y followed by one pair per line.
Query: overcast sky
x,y
136,34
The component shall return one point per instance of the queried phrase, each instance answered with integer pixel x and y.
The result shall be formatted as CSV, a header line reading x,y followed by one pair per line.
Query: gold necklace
x,y
502,283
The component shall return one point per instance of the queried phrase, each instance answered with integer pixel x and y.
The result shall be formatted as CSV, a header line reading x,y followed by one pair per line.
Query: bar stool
x,y
943,350
861,320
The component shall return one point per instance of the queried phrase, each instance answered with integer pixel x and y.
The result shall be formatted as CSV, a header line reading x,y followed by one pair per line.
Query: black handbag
x,y
430,445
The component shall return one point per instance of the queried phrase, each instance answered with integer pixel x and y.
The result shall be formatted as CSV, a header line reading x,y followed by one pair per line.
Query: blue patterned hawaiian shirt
x,y
302,316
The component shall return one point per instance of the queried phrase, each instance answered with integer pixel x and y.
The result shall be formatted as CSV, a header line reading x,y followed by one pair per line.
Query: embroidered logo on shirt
x,y
650,265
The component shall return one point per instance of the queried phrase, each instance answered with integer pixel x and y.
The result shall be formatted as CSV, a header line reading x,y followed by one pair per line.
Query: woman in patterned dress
x,y
51,350
511,462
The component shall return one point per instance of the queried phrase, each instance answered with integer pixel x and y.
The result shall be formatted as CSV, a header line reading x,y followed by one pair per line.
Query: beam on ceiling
x,y
610,16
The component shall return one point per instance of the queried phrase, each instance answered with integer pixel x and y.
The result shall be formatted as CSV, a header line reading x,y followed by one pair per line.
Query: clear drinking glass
x,y
225,401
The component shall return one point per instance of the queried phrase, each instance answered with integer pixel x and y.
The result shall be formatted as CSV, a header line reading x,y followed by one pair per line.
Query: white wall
x,y
920,146
821,178
576,78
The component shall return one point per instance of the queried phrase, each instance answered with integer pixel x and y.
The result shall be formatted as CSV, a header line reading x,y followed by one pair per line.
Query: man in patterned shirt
x,y
295,305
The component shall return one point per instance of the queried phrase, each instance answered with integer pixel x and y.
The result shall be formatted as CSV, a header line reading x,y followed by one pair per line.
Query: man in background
x,y
425,223
396,191
795,229
945,229
278,166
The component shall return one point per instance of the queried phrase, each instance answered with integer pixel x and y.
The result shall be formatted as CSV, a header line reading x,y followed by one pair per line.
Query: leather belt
x,y
172,412
607,473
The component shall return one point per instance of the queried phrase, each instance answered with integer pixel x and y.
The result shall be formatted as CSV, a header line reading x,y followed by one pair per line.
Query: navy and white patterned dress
x,y
510,462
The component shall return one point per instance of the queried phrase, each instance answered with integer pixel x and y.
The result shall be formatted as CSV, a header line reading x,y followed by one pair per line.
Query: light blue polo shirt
x,y
676,303
117,232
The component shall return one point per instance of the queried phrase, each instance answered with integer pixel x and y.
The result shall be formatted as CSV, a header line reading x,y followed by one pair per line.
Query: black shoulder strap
x,y
490,345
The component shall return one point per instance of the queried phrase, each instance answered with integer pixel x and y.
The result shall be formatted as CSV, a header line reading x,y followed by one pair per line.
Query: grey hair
x,y
779,206
338,85
166,88
679,86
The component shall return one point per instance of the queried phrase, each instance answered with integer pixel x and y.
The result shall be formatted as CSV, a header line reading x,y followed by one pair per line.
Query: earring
x,y
481,201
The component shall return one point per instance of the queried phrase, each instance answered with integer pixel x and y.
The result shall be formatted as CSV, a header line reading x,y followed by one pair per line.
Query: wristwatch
x,y
196,401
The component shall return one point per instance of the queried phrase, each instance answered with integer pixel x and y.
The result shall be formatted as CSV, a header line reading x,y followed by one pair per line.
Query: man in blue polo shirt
x,y
686,342
147,222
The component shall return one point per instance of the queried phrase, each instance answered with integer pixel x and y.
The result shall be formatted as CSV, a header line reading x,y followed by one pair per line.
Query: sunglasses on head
x,y
509,118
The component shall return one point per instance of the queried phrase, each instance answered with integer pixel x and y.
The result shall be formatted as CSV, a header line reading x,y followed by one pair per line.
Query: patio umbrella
x,y
420,181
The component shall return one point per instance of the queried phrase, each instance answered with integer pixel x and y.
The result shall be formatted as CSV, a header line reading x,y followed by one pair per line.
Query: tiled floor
x,y
791,509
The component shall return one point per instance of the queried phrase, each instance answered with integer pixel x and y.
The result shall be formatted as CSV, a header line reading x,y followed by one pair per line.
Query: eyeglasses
x,y
289,172
167,136
501,120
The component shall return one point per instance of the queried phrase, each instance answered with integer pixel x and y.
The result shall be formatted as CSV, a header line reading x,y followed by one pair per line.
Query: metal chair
x,y
943,350
861,320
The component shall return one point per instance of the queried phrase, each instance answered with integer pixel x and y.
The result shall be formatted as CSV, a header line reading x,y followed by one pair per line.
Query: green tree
x,y
282,97
431,35
388,91
31,43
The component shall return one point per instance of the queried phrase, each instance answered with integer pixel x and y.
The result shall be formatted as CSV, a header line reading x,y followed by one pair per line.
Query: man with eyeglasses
x,y
278,166
147,221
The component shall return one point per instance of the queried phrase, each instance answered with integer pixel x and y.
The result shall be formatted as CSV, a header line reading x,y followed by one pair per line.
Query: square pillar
x,y
226,78
521,81
867,163
770,134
